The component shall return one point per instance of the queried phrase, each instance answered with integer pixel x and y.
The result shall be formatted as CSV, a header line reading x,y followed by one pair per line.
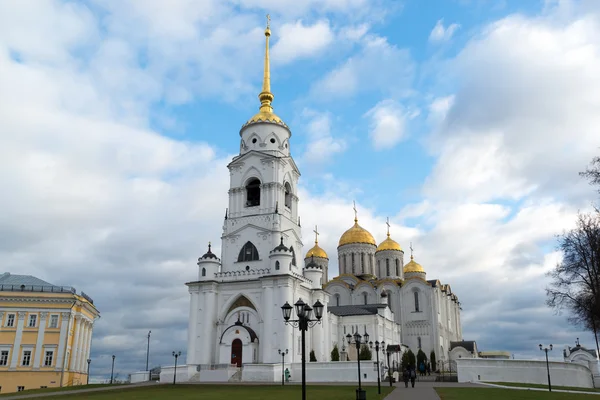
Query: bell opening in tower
x,y
253,193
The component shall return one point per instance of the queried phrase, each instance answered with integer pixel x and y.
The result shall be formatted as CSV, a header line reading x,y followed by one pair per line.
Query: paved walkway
x,y
423,390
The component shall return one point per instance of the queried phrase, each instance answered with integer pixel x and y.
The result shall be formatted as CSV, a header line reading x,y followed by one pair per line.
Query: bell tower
x,y
263,201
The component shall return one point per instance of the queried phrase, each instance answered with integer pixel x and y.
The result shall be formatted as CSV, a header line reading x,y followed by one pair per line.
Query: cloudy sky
x,y
464,121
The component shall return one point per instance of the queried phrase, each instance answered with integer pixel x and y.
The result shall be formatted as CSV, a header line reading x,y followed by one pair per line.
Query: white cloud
x,y
394,71
299,41
441,34
388,124
321,145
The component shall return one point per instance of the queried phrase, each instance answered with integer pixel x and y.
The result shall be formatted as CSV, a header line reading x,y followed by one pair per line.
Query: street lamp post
x,y
148,354
386,352
545,350
377,352
176,354
112,369
304,321
283,353
360,394
89,360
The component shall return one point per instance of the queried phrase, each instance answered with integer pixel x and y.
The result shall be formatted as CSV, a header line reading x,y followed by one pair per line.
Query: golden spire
x,y
266,97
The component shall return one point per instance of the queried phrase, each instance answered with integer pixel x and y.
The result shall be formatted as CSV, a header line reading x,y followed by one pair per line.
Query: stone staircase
x,y
237,377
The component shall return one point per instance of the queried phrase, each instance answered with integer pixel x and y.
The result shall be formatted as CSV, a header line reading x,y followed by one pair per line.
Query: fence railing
x,y
37,288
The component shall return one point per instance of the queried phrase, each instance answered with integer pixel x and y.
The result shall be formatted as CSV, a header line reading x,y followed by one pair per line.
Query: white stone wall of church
x,y
523,371
263,133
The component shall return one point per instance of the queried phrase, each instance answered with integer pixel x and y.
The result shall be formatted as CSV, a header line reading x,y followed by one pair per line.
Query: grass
x,y
228,392
57,389
447,393
537,385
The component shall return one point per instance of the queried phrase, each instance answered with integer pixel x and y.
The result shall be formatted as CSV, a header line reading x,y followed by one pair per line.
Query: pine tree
x,y
405,362
365,353
313,357
421,360
335,353
433,361
411,359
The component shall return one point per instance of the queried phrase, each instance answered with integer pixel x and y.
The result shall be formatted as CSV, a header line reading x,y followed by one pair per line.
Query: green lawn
x,y
447,393
535,385
56,389
228,392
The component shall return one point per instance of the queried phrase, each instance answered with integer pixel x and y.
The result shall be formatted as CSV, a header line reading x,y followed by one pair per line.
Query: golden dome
x,y
316,251
388,244
413,266
357,234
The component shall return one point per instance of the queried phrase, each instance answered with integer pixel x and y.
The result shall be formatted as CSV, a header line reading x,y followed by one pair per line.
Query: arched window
x,y
371,263
345,265
288,195
276,264
353,270
397,267
337,300
390,302
248,253
379,267
362,262
293,256
387,267
203,271
253,193
419,342
365,297
417,301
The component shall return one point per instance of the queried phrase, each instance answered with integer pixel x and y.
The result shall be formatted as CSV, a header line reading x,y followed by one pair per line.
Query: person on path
x,y
413,376
406,376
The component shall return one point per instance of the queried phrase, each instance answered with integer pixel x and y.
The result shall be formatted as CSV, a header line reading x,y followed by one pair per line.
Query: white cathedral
x,y
235,305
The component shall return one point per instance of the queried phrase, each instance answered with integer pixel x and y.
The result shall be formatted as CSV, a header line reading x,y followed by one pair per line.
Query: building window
x,y
248,253
253,193
362,262
353,270
203,271
26,358
20,388
54,321
10,320
397,267
48,359
419,342
337,300
379,267
365,297
293,255
345,265
276,264
288,195
4,357
387,267
417,301
32,320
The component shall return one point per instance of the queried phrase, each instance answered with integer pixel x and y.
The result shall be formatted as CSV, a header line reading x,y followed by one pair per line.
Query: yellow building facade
x,y
45,334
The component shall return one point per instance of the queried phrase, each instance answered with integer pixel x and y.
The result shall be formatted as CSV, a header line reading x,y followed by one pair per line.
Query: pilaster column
x,y
16,351
268,353
82,345
1,319
210,318
89,346
64,329
40,341
74,346
193,327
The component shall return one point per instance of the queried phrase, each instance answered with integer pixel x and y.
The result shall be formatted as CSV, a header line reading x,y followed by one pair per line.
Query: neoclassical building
x,y
235,304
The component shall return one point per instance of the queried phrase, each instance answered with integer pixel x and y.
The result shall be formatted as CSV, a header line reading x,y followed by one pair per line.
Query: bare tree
x,y
575,282
593,172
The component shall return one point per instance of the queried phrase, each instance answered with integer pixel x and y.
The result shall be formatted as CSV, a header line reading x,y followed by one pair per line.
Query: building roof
x,y
17,280
366,309
468,345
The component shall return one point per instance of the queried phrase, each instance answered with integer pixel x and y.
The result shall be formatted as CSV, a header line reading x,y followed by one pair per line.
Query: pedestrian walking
x,y
406,376
413,376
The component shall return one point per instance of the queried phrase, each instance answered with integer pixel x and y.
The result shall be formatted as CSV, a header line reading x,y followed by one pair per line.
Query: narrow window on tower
x,y
248,253
417,301
253,193
365,298
276,264
362,262
387,267
288,195
203,271
353,270
419,344
337,303
397,267
293,256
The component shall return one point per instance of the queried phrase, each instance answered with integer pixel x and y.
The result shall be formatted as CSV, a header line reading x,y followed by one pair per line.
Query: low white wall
x,y
141,376
337,371
523,371
166,374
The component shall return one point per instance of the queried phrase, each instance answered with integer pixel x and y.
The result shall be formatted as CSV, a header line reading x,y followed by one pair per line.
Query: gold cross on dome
x,y
268,21
411,251
387,222
355,212
316,231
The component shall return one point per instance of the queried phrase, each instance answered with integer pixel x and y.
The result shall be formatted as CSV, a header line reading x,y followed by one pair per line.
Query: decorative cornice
x,y
38,299
21,315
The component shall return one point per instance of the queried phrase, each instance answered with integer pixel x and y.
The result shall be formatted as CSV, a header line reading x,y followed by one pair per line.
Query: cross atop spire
x,y
268,21
316,231
355,212
387,222
411,251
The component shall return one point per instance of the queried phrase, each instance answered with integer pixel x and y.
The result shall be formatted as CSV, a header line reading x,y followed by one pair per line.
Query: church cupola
x,y
356,250
265,131
389,258
281,258
209,264
413,269
314,272
317,255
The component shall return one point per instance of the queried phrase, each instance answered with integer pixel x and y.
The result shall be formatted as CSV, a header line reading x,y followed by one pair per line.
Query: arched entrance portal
x,y
236,352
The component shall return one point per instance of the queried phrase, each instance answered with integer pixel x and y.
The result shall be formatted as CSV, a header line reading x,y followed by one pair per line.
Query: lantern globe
x,y
287,311
300,308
